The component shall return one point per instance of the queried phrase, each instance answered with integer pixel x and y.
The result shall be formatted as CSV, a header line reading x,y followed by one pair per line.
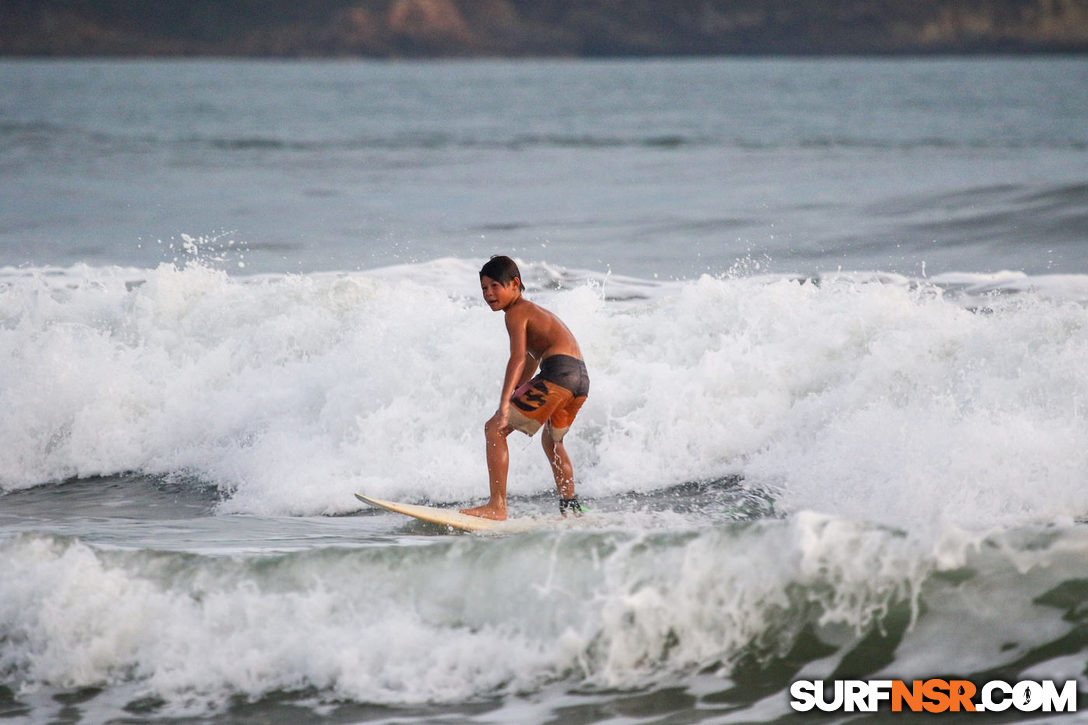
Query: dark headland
x,y
560,28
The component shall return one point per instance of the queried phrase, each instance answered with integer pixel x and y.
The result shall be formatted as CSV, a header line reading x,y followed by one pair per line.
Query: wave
x,y
872,396
732,610
1033,222
595,141
42,135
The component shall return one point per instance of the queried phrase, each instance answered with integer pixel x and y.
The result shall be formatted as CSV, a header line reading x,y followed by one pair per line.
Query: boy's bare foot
x,y
487,511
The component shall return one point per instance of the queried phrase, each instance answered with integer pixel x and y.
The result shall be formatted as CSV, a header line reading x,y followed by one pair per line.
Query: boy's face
x,y
497,295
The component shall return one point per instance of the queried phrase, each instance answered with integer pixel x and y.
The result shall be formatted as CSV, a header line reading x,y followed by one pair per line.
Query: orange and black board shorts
x,y
554,396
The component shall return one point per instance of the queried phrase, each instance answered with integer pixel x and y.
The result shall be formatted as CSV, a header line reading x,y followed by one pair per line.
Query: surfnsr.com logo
x,y
933,695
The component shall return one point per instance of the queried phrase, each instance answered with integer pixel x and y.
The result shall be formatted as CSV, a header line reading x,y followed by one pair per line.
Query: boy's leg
x,y
498,466
562,469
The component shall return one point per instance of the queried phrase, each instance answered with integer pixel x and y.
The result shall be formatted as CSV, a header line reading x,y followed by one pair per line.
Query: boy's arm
x,y
529,371
518,369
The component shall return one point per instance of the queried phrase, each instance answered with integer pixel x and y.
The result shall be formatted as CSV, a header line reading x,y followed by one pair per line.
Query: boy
x,y
551,399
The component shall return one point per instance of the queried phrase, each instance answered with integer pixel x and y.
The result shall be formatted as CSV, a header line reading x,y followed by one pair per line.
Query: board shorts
x,y
554,396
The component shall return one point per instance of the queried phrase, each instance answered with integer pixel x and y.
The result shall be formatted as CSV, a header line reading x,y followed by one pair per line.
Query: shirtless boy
x,y
550,400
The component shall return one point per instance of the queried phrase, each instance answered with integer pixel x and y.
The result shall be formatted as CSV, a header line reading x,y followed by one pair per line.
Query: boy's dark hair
x,y
502,269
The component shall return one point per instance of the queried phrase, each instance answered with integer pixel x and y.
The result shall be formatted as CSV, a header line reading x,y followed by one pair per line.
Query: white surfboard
x,y
456,519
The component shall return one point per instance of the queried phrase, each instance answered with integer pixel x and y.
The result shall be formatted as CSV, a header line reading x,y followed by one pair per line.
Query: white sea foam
x,y
445,623
467,618
888,400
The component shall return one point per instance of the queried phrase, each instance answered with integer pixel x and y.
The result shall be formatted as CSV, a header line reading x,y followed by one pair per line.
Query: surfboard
x,y
455,519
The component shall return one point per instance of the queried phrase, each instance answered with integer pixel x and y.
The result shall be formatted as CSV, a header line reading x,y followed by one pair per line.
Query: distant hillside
x,y
454,28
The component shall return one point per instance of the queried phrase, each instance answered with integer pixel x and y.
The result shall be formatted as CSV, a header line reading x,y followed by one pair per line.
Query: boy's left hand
x,y
501,420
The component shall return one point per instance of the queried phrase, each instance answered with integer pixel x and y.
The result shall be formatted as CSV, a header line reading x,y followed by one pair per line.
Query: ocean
x,y
834,313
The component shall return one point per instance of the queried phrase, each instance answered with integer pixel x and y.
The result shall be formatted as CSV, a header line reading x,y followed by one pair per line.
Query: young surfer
x,y
550,400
